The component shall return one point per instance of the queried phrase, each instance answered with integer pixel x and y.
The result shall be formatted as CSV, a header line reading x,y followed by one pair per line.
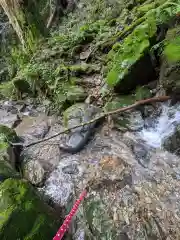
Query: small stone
x,y
70,169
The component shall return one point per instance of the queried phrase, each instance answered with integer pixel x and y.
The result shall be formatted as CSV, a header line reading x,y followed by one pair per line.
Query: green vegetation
x,y
116,39
23,216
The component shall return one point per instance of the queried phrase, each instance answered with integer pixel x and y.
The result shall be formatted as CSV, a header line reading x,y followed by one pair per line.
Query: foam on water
x,y
163,127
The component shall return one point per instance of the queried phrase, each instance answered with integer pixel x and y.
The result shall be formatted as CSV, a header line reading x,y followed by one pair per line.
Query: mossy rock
x,y
83,68
99,220
142,92
76,94
119,102
134,47
170,59
8,133
172,48
7,90
130,120
79,113
22,85
23,215
126,62
6,170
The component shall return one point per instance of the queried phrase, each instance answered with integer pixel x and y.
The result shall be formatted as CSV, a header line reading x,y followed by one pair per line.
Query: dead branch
x,y
103,115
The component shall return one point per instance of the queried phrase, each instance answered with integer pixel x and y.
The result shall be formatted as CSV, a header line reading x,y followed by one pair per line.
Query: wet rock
x,y
70,169
132,121
129,120
13,106
141,153
7,151
39,160
18,203
142,93
172,143
76,115
37,127
169,71
61,182
148,111
8,119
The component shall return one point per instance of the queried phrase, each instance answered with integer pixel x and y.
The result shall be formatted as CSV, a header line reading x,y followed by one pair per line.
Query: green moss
x,y
83,69
7,90
145,8
22,85
142,93
6,170
172,50
8,133
132,49
22,214
118,102
76,93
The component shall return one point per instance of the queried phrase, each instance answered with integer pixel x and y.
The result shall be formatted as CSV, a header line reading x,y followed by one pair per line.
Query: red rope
x,y
69,217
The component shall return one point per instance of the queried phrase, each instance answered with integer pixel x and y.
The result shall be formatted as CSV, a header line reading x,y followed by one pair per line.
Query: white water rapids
x,y
162,127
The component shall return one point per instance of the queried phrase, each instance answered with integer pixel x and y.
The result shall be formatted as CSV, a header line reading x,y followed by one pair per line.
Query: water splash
x,y
163,127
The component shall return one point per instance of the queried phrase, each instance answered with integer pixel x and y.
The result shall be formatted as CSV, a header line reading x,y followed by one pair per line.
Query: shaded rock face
x,y
130,82
172,143
170,66
18,203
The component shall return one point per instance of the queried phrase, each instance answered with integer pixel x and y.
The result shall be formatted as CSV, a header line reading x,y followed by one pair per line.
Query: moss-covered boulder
x,y
6,170
23,215
131,57
7,152
142,92
83,68
76,94
22,85
129,120
75,116
8,134
170,62
130,62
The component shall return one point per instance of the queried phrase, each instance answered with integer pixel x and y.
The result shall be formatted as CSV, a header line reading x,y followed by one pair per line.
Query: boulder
x,y
172,143
8,152
76,115
8,119
170,63
39,160
23,215
127,60
129,120
36,127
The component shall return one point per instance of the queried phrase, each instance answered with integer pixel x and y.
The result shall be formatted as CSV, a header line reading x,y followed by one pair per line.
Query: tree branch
x,y
119,110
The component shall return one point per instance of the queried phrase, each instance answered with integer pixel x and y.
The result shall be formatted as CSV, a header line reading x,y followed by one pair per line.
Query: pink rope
x,y
68,219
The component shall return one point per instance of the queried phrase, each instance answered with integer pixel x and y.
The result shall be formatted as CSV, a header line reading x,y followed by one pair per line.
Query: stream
x,y
118,167
161,127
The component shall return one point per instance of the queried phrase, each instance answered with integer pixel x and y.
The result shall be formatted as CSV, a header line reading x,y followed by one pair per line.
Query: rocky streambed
x,y
133,180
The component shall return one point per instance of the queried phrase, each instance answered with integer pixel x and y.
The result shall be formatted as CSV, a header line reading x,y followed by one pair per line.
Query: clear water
x,y
162,127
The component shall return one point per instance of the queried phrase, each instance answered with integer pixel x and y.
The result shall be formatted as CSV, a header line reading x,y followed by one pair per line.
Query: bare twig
x,y
103,115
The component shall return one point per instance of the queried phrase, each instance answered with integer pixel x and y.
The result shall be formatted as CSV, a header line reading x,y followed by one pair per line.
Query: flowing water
x,y
162,127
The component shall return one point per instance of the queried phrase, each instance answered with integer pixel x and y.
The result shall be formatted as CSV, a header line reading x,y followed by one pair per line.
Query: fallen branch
x,y
119,110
